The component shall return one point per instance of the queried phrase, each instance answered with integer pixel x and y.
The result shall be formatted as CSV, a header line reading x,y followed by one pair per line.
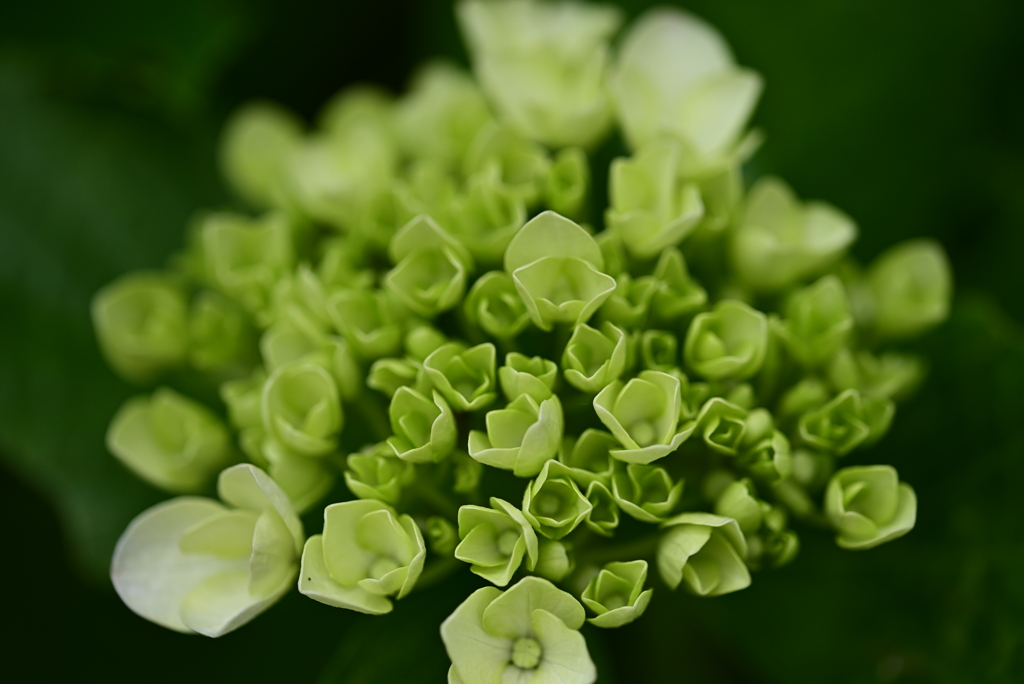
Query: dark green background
x,y
908,115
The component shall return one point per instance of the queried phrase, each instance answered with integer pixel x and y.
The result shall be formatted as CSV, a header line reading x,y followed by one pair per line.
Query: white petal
x,y
150,572
246,486
222,603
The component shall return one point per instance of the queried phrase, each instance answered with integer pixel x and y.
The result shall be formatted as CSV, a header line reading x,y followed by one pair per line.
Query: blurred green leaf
x,y
85,195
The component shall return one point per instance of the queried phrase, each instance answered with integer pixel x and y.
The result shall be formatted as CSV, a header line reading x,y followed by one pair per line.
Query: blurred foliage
x,y
907,116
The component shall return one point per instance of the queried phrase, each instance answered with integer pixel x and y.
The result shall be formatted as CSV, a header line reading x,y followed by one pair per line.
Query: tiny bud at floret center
x,y
526,653
507,542
382,566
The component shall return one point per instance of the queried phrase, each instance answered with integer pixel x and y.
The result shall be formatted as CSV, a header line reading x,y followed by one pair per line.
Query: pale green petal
x,y
141,324
565,658
256,141
228,535
549,234
316,582
911,287
151,573
170,441
223,603
511,614
675,74
247,487
273,554
478,656
346,559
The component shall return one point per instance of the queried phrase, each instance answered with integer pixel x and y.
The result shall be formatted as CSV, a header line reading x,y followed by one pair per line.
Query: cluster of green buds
x,y
431,325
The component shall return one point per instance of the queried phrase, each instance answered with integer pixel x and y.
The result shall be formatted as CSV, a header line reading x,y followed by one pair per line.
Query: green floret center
x,y
526,653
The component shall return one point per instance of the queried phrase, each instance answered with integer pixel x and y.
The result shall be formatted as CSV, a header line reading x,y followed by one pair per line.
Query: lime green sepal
x,y
868,506
617,594
706,551
315,581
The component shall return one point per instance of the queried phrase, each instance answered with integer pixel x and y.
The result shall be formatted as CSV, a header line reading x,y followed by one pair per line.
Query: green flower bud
x,y
343,266
643,414
911,287
370,322
604,512
838,427
554,561
742,395
593,358
300,299
388,375
659,351
567,182
739,501
650,208
543,65
729,342
431,271
589,457
676,294
445,101
553,503
616,595
422,341
141,321
556,266
495,541
305,480
493,304
693,394
812,469
170,441
465,377
807,395
301,409
441,535
535,376
429,188
284,343
615,260
878,414
244,399
868,506
887,375
818,321
425,430
366,554
646,492
364,109
486,217
630,304
525,634
220,336
675,74
336,177
520,437
723,426
779,241
245,258
256,143
467,473
518,166
768,459
375,473
196,566
706,551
